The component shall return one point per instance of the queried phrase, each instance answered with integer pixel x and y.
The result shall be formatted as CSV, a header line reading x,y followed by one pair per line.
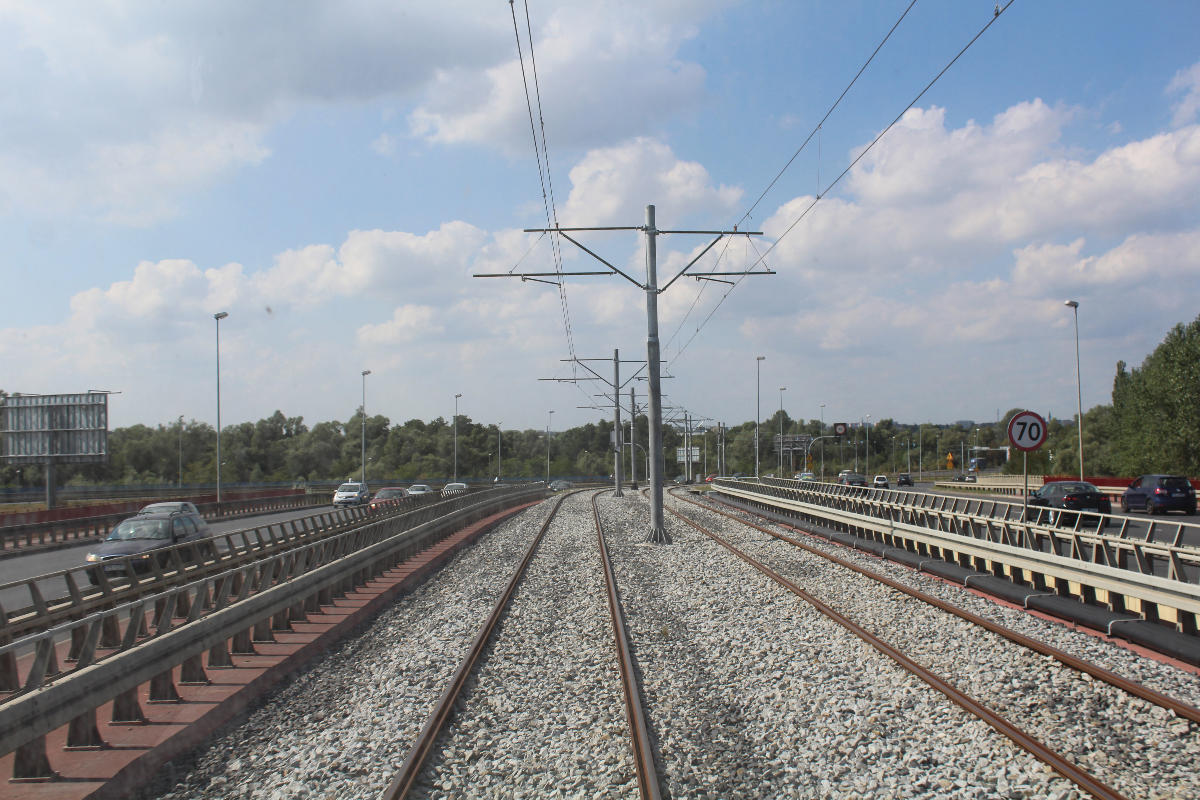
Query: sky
x,y
334,176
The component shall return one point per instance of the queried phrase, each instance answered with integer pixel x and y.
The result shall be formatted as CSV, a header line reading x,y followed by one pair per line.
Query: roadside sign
x,y
840,428
1027,430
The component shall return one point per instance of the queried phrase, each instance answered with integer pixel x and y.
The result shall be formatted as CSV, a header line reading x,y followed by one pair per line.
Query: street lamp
x,y
867,446
498,451
757,407
548,419
1074,304
782,389
218,317
822,445
456,437
180,482
365,373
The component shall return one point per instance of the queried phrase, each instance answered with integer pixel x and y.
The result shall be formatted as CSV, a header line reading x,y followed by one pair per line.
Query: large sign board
x,y
54,428
681,454
793,442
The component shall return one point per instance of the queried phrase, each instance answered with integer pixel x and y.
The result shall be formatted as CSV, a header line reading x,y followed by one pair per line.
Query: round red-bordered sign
x,y
1027,430
840,428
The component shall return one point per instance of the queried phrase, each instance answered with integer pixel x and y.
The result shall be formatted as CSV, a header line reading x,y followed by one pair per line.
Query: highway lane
x,y
34,564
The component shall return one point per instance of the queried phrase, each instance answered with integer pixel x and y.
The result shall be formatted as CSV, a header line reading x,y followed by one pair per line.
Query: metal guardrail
x,y
42,535
1154,575
221,613
89,586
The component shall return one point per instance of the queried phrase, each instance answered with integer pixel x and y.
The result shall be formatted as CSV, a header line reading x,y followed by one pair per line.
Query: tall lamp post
x,y
456,436
867,446
365,373
1074,305
548,419
822,444
757,407
782,389
180,484
498,451
220,315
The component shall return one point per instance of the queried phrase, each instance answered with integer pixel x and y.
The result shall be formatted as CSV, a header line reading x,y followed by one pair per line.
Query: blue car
x,y
1158,494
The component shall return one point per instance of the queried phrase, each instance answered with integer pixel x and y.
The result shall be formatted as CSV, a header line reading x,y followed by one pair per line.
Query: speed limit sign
x,y
840,428
1026,430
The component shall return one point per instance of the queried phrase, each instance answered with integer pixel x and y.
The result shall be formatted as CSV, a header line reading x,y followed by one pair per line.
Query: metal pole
x,y
1074,304
218,317
822,444
548,419
658,531
365,373
632,440
499,469
456,437
867,449
757,407
180,483
782,389
617,424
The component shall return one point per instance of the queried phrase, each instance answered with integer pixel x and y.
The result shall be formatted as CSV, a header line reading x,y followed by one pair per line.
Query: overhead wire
x,y
815,131
541,152
995,16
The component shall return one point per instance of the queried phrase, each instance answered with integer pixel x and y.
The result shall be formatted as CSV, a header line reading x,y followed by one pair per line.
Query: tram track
x,y
442,736
1086,780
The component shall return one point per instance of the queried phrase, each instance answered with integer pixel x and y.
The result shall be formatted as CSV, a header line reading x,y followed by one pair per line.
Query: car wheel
x,y
1124,506
1150,507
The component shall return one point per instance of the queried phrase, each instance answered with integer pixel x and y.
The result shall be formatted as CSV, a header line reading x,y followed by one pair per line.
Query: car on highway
x,y
807,477
852,479
351,494
560,485
1060,503
453,488
880,482
169,506
1158,494
738,476
420,488
145,536
385,494
904,479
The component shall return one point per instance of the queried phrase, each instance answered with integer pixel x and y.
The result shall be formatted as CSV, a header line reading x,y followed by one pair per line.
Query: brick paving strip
x,y
134,752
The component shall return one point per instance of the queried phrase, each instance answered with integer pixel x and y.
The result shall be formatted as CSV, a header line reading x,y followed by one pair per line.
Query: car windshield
x,y
141,529
348,487
167,507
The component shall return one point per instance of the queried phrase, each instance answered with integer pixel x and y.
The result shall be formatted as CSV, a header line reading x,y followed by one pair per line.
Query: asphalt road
x,y
23,567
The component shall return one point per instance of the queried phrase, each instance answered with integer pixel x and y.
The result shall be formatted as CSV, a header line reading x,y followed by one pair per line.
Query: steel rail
x,y
639,729
405,779
1113,679
1058,763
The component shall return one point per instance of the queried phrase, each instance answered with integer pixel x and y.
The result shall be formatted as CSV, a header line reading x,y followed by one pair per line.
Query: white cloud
x,y
409,323
1187,82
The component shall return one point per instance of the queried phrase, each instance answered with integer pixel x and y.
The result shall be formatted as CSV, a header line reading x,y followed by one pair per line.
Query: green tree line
x,y
1152,425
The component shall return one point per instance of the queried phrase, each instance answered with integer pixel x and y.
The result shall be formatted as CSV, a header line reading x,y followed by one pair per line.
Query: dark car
x,y
559,485
392,493
853,479
1158,494
1053,503
146,537
904,479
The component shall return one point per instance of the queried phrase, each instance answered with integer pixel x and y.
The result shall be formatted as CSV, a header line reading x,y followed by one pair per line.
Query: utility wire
x,y
995,16
814,132
541,151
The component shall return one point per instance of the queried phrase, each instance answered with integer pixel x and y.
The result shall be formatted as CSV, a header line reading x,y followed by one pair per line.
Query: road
x,y
22,567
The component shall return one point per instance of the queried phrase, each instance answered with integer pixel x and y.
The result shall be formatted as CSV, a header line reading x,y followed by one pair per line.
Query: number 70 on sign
x,y
1027,430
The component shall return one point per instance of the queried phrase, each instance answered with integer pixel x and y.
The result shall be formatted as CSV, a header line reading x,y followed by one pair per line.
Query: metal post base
x,y
659,536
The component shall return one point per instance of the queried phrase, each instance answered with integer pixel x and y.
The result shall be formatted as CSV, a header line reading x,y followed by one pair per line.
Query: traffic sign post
x,y
1026,431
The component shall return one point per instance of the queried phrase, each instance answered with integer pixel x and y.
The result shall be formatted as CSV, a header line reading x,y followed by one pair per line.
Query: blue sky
x,y
332,176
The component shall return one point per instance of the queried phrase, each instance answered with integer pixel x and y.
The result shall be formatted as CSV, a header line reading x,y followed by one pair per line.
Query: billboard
x,y
54,428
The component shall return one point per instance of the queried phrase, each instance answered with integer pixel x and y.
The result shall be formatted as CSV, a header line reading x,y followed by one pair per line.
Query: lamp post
x,y
548,419
867,447
498,451
782,389
822,445
365,373
218,317
1074,305
757,407
456,436
180,482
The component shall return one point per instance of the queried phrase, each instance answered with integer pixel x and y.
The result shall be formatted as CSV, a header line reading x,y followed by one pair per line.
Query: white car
x,y
351,494
880,482
453,488
419,488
